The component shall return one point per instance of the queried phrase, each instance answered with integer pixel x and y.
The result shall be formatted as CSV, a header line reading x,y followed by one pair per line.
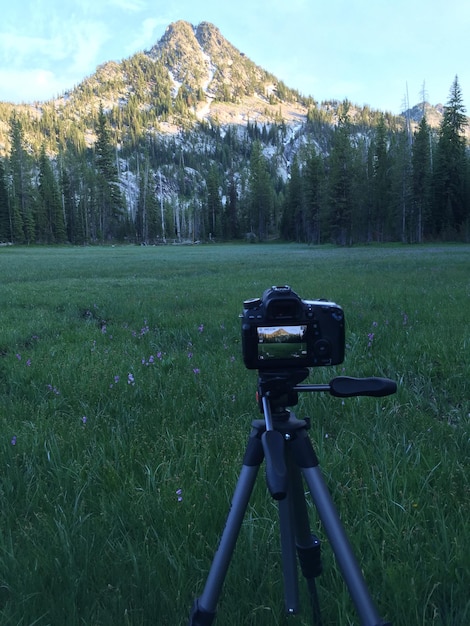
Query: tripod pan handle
x,y
346,386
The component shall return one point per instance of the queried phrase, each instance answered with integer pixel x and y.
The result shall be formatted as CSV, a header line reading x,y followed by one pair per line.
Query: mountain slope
x,y
192,74
219,81
202,59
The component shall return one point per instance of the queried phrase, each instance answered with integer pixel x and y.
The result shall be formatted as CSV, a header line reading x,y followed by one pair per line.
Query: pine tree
x,y
42,220
21,190
110,202
214,203
148,219
73,188
260,203
451,210
141,214
75,232
421,181
294,222
231,211
50,225
397,222
154,214
340,181
381,182
313,184
5,217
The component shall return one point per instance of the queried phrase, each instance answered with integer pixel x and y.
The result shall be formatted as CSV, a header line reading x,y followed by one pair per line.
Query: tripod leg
x,y
338,539
297,537
308,546
289,559
204,607
305,541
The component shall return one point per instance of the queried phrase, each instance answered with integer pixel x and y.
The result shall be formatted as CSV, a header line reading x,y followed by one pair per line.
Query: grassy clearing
x,y
125,409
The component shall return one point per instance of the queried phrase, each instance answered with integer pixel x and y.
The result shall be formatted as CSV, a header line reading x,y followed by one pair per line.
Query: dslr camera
x,y
282,331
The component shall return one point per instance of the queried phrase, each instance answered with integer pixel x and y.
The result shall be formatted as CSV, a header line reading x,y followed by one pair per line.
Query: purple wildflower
x,y
151,360
116,380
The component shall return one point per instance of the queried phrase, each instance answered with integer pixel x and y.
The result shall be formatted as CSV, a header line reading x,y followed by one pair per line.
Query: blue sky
x,y
371,52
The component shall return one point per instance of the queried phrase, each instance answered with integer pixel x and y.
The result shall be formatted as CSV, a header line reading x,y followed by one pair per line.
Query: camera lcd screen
x,y
282,342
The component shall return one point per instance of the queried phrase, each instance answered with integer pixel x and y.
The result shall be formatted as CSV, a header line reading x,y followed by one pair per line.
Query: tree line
x,y
399,186
346,182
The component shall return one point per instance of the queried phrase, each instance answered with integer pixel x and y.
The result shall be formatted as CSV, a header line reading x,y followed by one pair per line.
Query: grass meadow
x,y
125,409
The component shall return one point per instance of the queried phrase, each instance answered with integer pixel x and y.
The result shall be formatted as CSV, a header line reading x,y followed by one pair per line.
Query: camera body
x,y
282,331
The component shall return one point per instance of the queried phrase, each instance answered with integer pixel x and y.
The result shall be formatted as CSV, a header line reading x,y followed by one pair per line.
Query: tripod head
x,y
281,389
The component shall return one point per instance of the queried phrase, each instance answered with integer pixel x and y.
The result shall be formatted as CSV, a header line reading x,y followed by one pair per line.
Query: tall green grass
x,y
125,409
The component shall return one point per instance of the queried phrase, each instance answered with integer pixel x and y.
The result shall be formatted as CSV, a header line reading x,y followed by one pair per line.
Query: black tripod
x,y
282,440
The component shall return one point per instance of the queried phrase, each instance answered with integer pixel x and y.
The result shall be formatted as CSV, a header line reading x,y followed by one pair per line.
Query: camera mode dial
x,y
322,348
254,303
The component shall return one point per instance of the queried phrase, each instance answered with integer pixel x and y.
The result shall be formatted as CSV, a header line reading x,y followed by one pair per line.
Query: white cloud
x,y
43,83
16,47
84,42
47,65
82,38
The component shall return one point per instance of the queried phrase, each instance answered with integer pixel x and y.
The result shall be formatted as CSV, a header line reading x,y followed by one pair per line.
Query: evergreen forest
x,y
342,176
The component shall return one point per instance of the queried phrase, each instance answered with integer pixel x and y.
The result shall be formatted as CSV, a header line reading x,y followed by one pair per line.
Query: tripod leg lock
x,y
310,559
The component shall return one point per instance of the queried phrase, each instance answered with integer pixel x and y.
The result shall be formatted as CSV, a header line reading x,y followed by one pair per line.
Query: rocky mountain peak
x,y
205,62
